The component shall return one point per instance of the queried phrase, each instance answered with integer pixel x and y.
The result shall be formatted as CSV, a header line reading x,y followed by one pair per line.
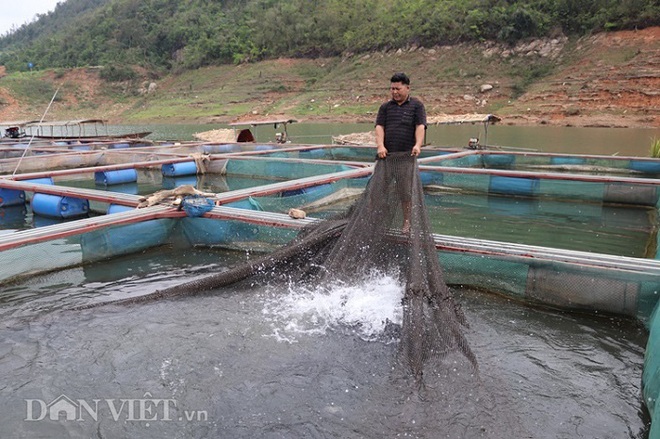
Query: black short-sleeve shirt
x,y
400,122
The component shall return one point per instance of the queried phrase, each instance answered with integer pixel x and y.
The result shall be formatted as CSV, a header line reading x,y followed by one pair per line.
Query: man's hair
x,y
400,77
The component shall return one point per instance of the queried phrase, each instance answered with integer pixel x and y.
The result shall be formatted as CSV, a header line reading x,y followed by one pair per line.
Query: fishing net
x,y
387,229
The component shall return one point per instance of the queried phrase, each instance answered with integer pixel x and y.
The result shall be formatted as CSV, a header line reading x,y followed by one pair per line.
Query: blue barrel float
x,y
57,206
119,176
647,166
120,146
568,161
43,180
11,197
179,169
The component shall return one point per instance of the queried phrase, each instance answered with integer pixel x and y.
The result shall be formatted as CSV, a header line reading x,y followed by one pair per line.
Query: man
x,y
401,122
400,128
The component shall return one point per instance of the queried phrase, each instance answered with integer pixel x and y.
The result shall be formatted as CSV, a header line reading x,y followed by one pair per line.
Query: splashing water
x,y
367,308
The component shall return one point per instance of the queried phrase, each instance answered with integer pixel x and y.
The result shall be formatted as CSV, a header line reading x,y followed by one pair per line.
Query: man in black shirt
x,y
400,129
401,122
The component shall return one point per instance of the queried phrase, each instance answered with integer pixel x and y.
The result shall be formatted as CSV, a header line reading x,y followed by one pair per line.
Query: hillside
x,y
607,79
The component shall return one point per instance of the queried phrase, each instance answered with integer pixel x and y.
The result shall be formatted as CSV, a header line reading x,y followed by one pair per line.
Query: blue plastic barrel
x,y
118,176
568,161
55,206
81,147
179,169
119,146
44,180
646,166
528,187
11,197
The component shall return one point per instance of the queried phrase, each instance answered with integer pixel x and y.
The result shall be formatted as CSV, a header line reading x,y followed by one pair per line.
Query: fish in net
x,y
386,228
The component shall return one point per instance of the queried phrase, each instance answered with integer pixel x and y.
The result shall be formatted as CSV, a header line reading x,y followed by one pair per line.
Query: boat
x,y
369,137
82,130
85,139
15,129
245,135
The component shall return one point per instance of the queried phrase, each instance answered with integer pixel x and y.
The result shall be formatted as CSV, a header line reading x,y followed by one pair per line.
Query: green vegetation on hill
x,y
175,35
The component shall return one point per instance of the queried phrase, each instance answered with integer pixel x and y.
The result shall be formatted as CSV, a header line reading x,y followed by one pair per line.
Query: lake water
x,y
266,361
606,141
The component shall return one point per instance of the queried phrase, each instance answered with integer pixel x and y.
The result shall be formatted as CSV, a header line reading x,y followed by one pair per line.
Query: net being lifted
x,y
387,229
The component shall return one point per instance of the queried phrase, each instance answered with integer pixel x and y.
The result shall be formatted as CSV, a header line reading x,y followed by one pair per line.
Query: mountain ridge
x,y
606,79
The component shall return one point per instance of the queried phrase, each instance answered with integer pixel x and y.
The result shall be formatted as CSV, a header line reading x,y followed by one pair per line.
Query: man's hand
x,y
416,150
381,151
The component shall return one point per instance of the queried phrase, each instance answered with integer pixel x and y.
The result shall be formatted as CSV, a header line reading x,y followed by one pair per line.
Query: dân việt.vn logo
x,y
145,409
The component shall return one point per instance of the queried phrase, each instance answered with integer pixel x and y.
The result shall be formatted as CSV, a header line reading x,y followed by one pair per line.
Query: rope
x,y
32,138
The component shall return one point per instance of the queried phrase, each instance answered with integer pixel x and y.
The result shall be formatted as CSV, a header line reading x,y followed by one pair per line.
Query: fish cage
x,y
569,232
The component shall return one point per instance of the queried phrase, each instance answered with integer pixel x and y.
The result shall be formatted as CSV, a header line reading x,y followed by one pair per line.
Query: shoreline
x,y
556,120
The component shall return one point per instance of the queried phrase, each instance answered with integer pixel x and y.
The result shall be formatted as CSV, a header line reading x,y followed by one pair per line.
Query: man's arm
x,y
380,141
419,139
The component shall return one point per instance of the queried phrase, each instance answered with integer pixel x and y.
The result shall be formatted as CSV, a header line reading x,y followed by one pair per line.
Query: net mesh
x,y
389,228
386,229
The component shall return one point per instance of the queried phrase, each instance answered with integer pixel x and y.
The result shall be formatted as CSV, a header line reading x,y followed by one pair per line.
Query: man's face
x,y
400,91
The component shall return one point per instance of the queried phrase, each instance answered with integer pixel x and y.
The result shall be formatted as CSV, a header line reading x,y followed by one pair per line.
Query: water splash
x,y
367,308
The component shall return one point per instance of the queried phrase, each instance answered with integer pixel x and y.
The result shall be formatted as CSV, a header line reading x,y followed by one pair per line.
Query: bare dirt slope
x,y
614,81
608,79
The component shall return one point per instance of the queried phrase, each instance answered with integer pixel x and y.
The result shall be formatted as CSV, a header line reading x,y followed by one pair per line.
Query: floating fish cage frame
x,y
255,218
